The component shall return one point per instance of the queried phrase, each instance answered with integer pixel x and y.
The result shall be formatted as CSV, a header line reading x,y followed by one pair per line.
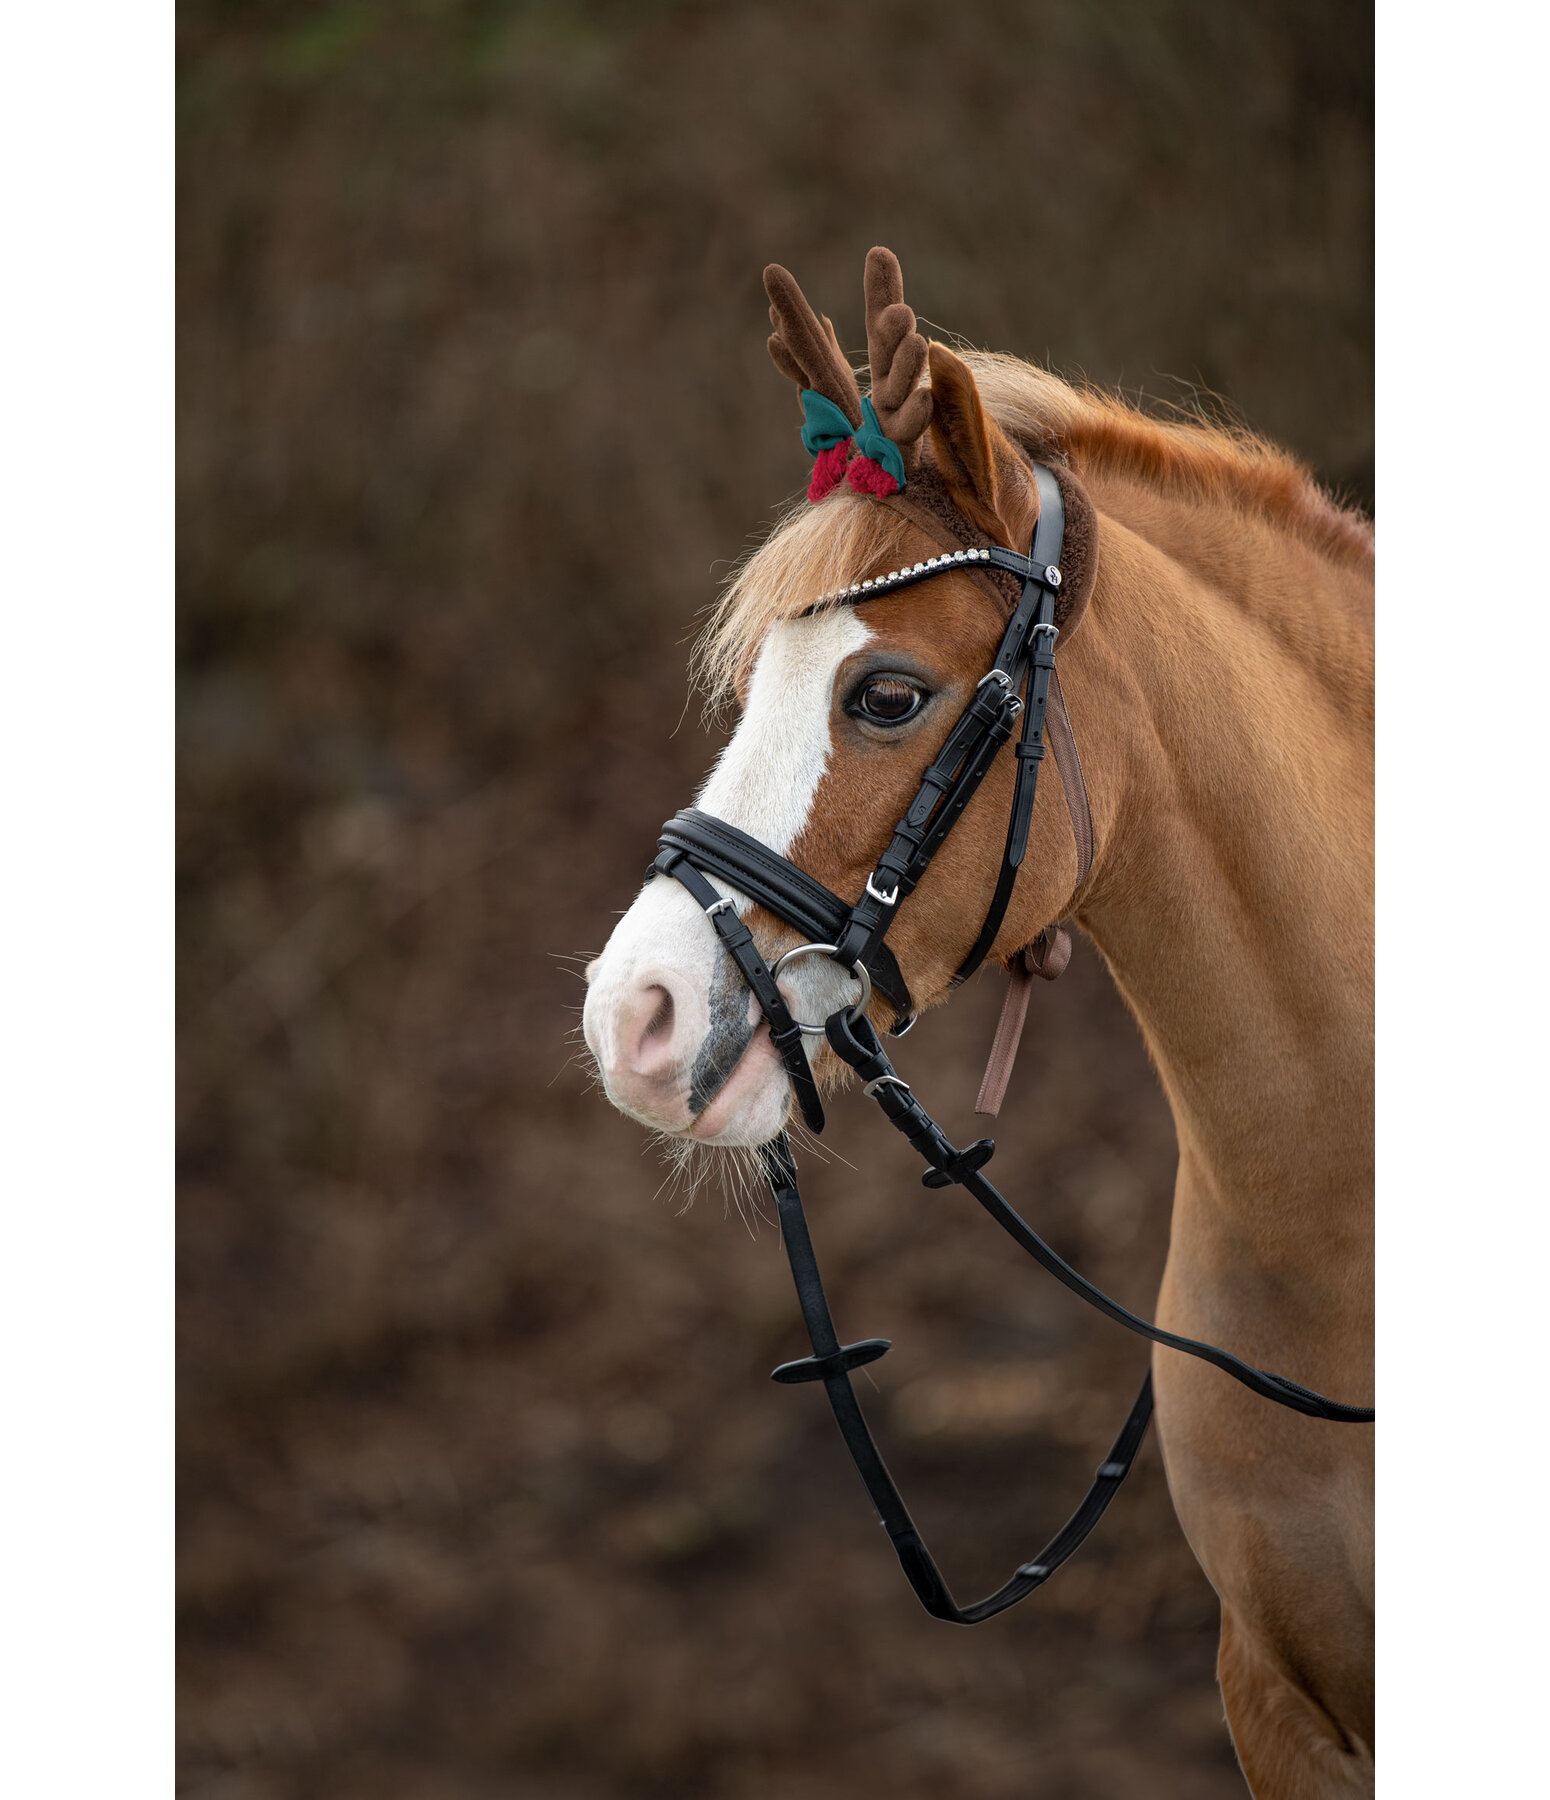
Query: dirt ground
x,y
484,1489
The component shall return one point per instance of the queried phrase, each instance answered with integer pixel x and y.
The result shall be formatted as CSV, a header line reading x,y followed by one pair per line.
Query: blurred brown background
x,y
484,1489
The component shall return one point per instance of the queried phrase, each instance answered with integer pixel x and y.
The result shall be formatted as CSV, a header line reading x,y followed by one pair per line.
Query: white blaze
x,y
765,779
763,783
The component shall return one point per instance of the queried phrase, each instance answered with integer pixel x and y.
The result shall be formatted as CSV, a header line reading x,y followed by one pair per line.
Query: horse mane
x,y
1189,453
814,550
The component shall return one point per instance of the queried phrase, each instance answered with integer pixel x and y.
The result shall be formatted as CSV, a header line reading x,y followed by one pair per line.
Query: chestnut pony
x,y
1217,663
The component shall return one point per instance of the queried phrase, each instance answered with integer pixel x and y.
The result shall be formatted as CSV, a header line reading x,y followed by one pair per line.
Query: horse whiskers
x,y
582,1059
803,1139
742,1171
692,1166
689,1168
574,956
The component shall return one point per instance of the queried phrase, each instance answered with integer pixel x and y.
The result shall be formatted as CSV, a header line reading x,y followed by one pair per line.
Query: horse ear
x,y
987,479
990,484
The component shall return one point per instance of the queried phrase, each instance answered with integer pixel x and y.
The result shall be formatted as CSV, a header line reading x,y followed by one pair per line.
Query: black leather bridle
x,y
694,846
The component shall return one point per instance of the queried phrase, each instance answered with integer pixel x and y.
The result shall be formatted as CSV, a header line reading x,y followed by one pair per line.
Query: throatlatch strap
x,y
1049,954
1041,579
1063,742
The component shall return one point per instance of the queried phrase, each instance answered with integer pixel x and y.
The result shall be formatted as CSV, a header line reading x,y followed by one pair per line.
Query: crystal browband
x,y
912,572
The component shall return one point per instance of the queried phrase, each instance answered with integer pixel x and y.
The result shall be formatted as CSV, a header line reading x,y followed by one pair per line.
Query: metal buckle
x,y
720,907
855,1008
897,1081
995,675
877,893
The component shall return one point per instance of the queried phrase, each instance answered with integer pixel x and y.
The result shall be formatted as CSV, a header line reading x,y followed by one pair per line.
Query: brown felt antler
x,y
897,354
804,350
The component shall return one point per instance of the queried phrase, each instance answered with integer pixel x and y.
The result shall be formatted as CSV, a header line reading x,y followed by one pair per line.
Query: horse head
x,y
845,697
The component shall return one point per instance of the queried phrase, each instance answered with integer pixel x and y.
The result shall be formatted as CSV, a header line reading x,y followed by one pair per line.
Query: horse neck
x,y
1227,680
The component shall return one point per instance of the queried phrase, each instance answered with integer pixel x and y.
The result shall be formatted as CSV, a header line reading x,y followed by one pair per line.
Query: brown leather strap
x,y
1009,1034
1051,950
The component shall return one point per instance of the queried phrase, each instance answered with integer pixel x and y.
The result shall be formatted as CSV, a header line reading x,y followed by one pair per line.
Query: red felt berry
x,y
829,469
868,477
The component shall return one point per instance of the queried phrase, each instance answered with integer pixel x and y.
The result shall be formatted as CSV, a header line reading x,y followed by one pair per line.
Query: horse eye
x,y
888,701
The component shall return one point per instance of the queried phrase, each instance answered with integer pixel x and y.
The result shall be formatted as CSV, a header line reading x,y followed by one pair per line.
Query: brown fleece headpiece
x,y
930,507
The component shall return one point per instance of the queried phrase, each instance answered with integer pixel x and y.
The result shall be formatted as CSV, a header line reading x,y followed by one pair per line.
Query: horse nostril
x,y
660,1024
645,1040
650,1032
